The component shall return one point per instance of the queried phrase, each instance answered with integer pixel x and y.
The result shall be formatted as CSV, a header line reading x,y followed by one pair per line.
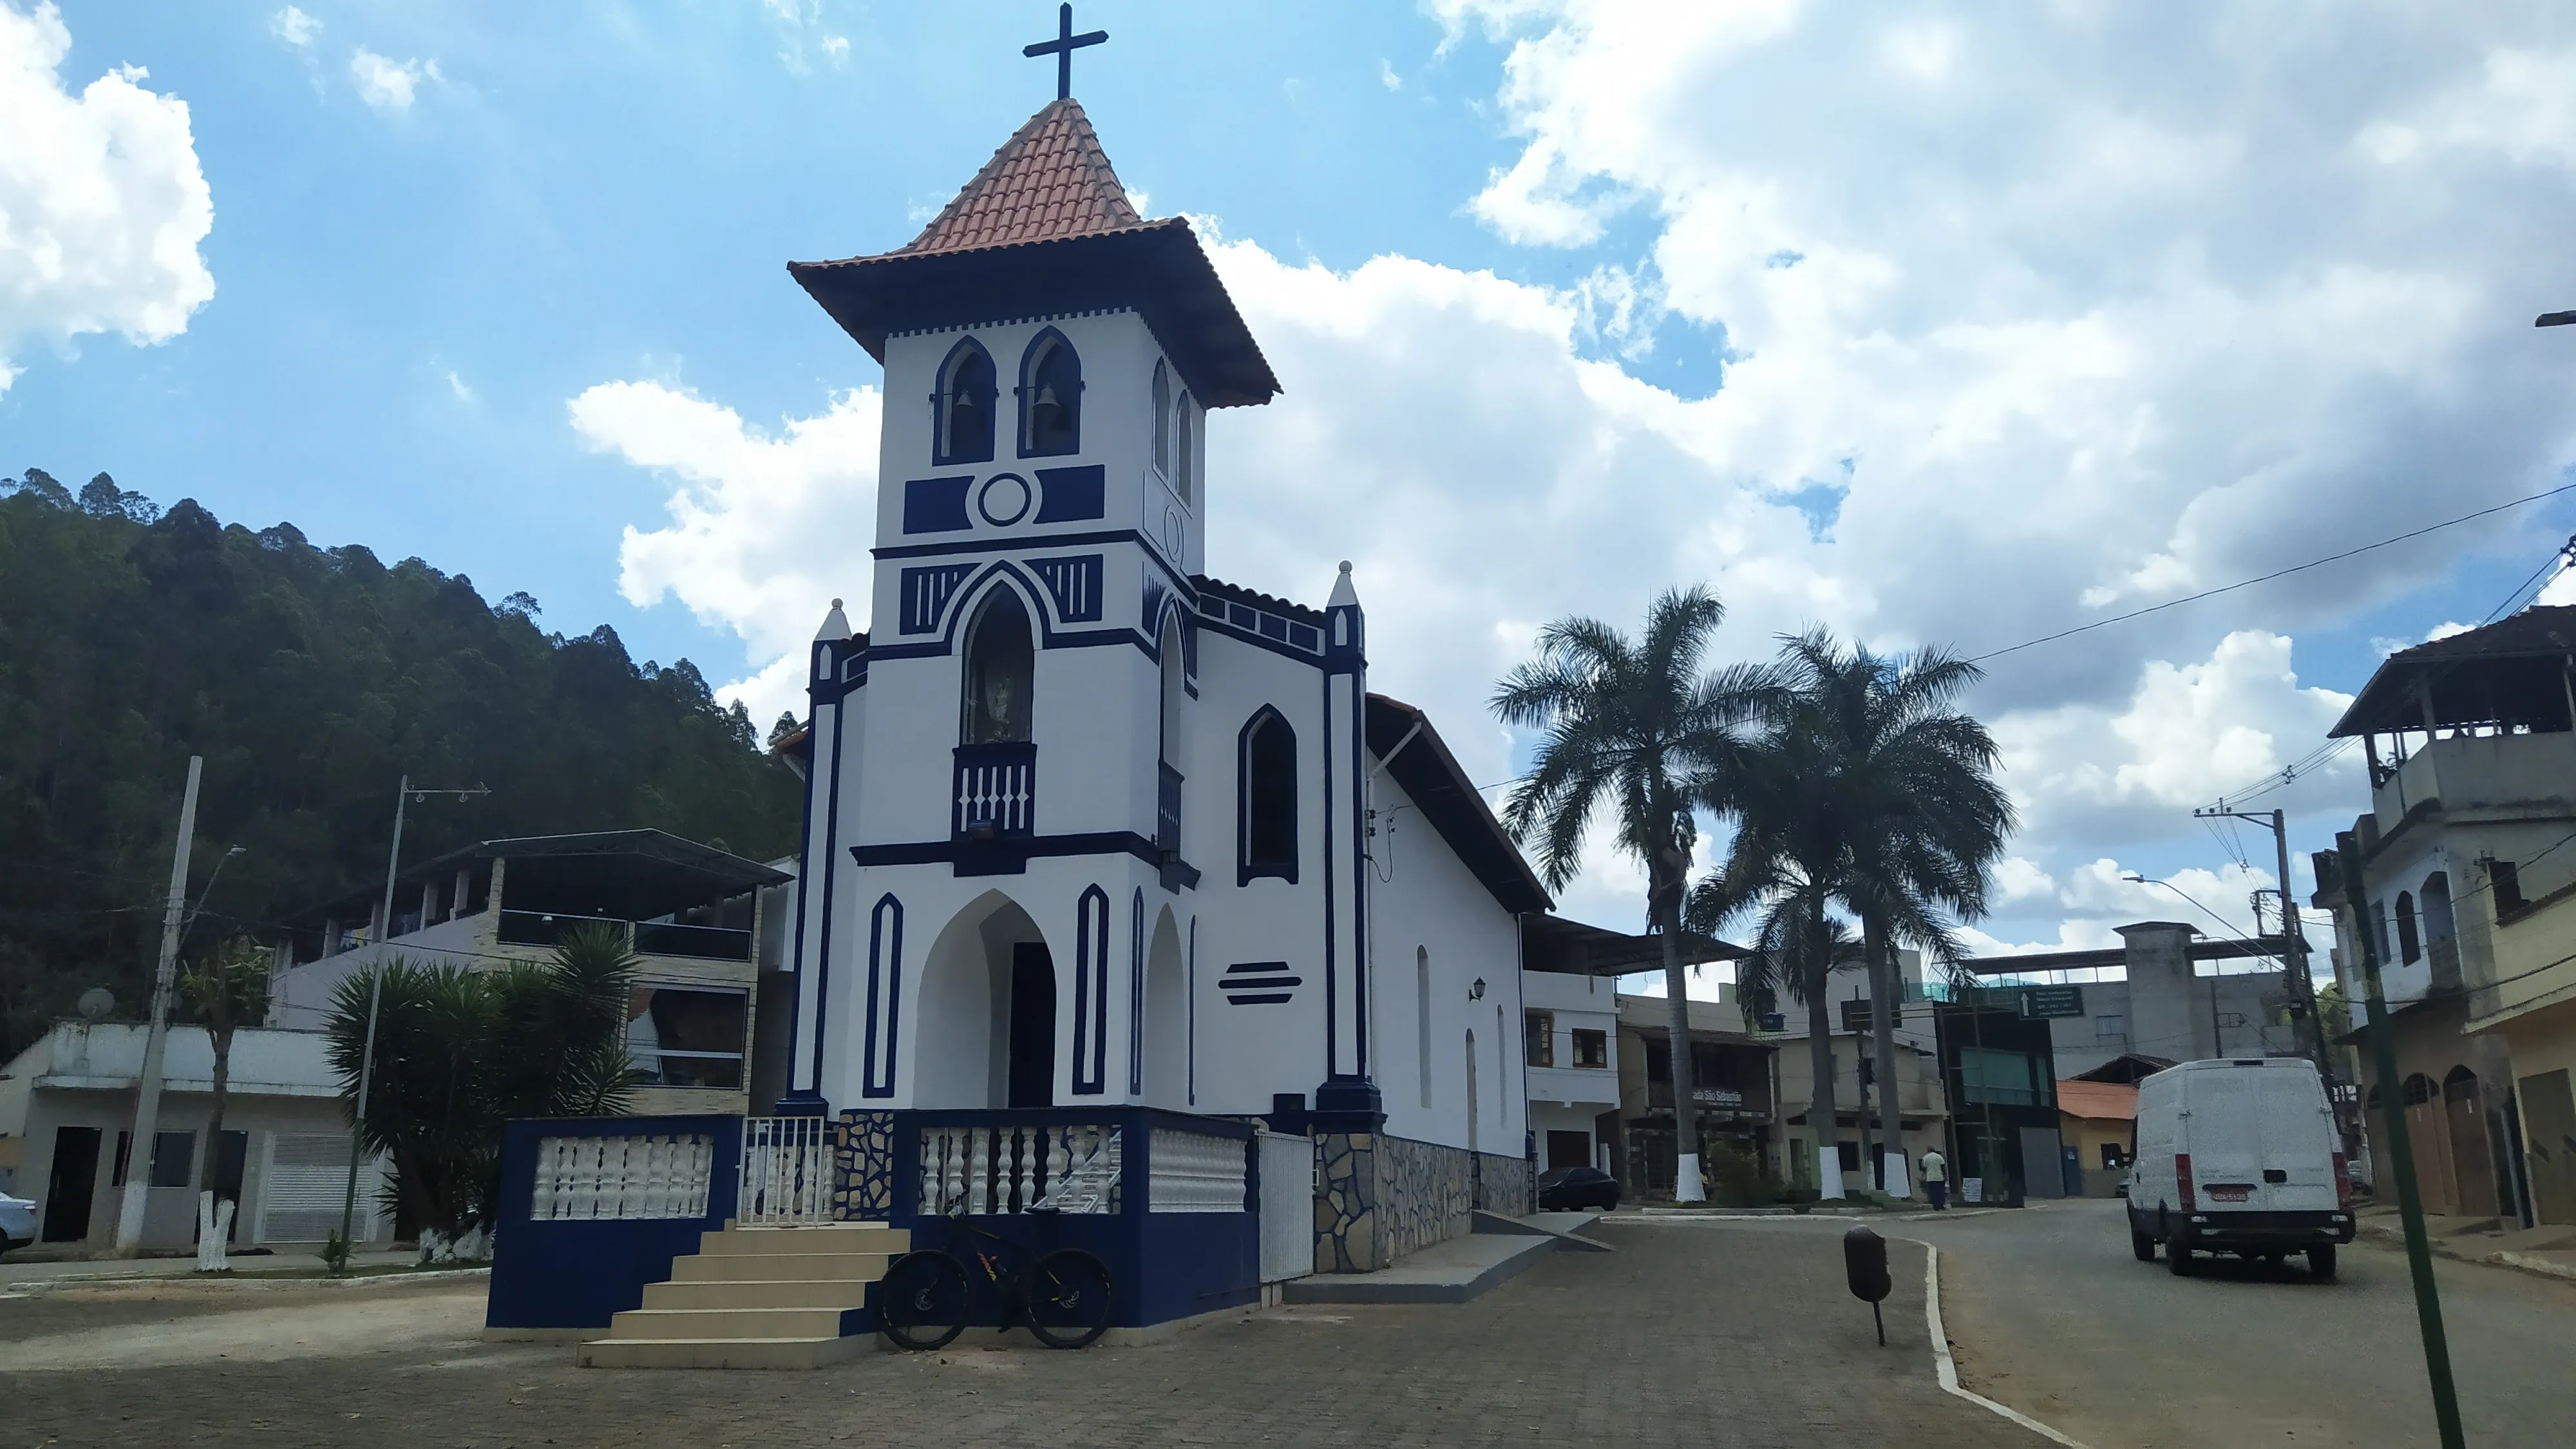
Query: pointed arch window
x,y
2409,942
1162,419
962,420
1001,661
1050,398
1185,456
1266,799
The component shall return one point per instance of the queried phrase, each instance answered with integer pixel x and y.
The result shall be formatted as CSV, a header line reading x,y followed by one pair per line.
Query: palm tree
x,y
1796,950
226,989
1870,793
1639,729
461,1052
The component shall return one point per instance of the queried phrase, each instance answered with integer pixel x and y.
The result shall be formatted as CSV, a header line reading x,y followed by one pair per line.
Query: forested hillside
x,y
311,679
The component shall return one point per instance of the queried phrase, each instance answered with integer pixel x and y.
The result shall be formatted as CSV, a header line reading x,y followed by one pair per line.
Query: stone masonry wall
x,y
863,1166
1378,1198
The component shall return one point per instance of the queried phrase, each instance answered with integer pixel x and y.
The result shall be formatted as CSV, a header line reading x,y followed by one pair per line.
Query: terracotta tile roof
x,y
1050,180
2102,1101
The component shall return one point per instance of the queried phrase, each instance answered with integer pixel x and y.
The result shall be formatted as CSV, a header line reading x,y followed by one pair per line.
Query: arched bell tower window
x,y
1266,798
1050,398
2409,943
1000,662
1162,419
963,416
1185,461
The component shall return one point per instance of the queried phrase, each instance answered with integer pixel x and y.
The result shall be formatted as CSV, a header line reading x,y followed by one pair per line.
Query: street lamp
x,y
2554,319
403,793
208,893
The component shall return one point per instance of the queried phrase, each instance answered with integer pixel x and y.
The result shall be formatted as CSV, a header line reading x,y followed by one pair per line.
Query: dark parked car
x,y
1569,1189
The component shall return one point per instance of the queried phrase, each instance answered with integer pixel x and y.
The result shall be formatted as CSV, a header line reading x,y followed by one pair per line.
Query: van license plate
x,y
2228,1194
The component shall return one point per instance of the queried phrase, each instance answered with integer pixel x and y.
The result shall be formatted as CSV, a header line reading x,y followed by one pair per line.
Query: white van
x,y
2238,1157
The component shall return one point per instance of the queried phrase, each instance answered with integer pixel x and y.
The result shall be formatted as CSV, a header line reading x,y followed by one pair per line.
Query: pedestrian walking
x,y
1936,1179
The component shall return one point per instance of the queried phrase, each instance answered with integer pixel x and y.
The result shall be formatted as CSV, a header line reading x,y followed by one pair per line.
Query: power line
x,y
2530,588
2266,578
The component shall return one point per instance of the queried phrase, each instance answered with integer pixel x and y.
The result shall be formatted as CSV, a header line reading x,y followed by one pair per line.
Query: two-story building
x,y
1922,1109
1572,1027
691,912
2471,744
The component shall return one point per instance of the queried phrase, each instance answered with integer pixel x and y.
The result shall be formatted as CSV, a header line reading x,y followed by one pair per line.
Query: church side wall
x,y
1248,1049
1427,907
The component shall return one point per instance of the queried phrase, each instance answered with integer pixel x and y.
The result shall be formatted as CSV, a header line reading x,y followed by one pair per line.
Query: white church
x,y
1088,827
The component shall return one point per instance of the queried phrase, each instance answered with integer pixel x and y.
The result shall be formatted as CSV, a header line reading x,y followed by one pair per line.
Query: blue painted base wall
x,y
576,1274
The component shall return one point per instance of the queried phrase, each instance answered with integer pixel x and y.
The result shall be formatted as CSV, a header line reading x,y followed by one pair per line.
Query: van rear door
x,y
2220,1134
2297,1167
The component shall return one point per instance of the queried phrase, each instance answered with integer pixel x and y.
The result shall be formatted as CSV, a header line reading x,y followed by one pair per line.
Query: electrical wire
x,y
2267,578
2530,588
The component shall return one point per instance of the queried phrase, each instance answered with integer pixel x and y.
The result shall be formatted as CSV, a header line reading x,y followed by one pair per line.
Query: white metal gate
x,y
787,1172
1287,1206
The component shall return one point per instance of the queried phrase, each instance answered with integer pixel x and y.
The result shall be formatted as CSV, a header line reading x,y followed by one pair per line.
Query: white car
x,y
2238,1157
17,1222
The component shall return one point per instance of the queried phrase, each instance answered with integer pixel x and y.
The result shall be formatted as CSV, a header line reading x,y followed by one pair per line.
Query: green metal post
x,y
2401,1151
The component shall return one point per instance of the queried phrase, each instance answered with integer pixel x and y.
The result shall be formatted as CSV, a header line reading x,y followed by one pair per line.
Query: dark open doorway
x,y
71,1184
1032,1080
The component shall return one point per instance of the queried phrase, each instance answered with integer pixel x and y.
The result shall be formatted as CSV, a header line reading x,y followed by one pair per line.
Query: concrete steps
x,y
779,1298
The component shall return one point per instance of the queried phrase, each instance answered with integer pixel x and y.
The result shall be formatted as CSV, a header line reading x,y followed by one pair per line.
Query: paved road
x,y
1693,1335
2051,1314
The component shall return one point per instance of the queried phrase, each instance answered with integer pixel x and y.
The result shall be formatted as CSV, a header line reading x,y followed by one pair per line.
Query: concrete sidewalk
x,y
2548,1250
1458,1270
18,1277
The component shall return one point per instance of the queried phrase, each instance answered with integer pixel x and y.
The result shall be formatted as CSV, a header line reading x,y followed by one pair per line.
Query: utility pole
x,y
2410,1205
156,1039
383,932
2294,945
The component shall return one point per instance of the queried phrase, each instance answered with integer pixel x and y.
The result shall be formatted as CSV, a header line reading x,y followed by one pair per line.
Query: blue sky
x,y
1923,323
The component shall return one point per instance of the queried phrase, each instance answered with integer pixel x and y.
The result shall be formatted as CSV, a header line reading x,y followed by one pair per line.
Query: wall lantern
x,y
1477,991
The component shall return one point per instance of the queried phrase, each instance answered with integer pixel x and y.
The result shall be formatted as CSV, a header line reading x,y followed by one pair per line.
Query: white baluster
x,y
1024,1157
979,1173
955,1197
929,1171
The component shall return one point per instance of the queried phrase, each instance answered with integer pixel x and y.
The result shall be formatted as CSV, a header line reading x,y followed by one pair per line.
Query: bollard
x,y
1865,1267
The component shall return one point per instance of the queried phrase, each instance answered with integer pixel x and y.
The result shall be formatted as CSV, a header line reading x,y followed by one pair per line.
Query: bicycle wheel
x,y
921,1301
1068,1295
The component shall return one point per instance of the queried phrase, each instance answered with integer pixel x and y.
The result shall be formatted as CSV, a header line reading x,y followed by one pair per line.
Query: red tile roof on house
x,y
1049,181
2103,1101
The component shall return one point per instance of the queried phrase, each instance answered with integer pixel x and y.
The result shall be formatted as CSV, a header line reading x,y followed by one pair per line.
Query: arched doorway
x,y
2464,1124
984,1033
2422,1098
1167,1019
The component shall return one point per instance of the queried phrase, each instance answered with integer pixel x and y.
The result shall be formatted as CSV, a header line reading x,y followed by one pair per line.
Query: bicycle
x,y
1064,1296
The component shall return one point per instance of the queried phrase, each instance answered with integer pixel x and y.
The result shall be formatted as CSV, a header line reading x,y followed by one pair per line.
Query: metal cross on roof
x,y
1063,47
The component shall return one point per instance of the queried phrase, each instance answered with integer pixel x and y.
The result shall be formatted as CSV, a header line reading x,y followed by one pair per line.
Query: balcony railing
x,y
650,938
1167,812
996,792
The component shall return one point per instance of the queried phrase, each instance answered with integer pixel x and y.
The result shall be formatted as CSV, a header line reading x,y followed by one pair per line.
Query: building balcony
x,y
648,938
995,792
1167,812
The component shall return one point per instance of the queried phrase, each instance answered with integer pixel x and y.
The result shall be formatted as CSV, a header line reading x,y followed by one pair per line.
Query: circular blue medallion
x,y
1005,499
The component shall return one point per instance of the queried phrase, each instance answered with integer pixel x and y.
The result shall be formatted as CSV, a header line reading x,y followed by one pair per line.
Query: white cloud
x,y
386,84
1387,77
838,48
102,201
2039,312
294,27
759,523
457,386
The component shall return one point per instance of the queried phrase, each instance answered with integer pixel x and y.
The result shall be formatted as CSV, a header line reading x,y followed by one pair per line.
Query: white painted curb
x,y
1949,1370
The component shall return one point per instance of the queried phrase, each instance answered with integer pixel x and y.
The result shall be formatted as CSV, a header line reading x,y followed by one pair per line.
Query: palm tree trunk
x,y
215,1220
1821,1129
1666,906
1886,994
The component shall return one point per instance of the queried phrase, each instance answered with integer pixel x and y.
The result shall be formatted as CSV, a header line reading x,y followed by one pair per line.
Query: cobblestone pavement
x,y
1691,1334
